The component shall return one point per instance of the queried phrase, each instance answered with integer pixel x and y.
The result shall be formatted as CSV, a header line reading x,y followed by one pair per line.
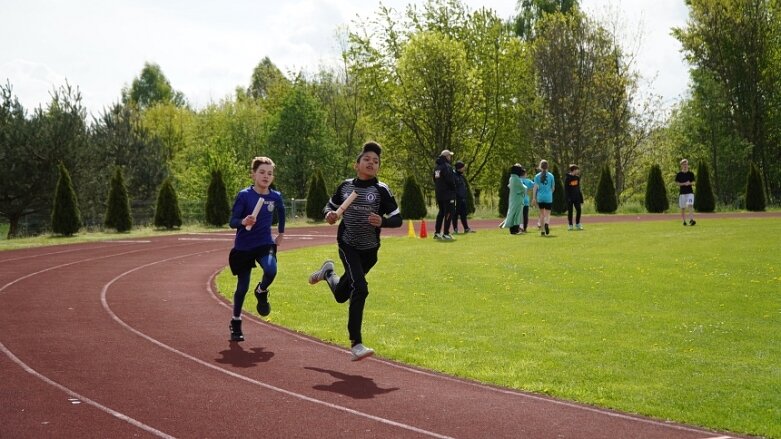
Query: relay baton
x,y
347,203
256,211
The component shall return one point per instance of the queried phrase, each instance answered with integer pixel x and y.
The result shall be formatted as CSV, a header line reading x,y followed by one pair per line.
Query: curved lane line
x,y
81,397
116,318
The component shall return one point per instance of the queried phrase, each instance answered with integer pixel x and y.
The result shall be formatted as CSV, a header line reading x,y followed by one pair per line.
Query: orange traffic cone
x,y
423,233
410,230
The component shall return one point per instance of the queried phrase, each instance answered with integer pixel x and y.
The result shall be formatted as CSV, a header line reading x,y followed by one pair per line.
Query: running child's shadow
x,y
354,386
238,357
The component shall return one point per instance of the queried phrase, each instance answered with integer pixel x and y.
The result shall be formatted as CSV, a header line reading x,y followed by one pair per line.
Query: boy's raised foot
x,y
322,273
360,352
235,328
264,308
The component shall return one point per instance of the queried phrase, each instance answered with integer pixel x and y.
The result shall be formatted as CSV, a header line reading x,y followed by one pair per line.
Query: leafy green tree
x,y
605,200
66,219
559,199
703,191
755,190
299,142
656,200
734,44
531,11
317,197
118,208
268,82
218,209
152,87
167,213
17,162
413,204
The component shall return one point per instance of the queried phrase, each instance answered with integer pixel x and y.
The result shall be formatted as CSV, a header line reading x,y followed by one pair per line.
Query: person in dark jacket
x,y
462,210
445,188
574,196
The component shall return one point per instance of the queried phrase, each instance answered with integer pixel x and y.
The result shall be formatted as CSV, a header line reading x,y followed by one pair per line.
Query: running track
x,y
128,339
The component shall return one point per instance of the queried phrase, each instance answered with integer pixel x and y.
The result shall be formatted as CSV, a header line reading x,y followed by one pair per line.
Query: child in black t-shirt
x,y
685,181
574,196
358,239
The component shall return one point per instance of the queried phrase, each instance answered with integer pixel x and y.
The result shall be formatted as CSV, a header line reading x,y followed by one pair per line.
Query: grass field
x,y
651,318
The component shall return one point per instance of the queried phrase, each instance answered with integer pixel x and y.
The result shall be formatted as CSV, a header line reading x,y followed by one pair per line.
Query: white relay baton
x,y
256,211
347,203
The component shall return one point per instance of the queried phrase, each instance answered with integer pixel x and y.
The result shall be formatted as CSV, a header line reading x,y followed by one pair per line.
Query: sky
x,y
206,49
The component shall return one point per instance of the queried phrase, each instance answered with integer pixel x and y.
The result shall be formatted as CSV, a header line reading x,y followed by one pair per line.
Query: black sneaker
x,y
547,230
684,223
264,308
692,222
235,327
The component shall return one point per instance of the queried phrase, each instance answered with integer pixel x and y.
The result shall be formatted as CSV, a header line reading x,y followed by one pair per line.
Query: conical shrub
x,y
559,198
217,206
118,209
755,190
168,214
605,200
413,205
317,197
504,193
656,200
66,217
703,190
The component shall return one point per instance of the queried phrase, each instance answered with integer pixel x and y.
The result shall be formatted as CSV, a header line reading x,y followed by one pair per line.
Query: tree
x,y
217,208
413,204
703,192
656,192
167,213
755,190
559,198
66,219
152,87
734,44
531,11
118,209
317,197
605,200
268,81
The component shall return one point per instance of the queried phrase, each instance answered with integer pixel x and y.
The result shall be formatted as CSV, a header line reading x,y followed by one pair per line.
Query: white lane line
x,y
116,318
75,396
516,393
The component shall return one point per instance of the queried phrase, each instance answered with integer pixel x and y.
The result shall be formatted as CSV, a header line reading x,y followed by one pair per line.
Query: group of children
x,y
365,206
542,188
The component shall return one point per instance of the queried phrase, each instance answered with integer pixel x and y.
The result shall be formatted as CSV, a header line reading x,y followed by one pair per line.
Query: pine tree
x,y
504,193
703,191
413,205
118,209
656,200
66,217
168,214
605,199
755,190
317,197
217,207
559,199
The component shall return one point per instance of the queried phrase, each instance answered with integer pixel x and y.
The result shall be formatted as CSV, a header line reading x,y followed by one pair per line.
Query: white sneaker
x,y
569,227
579,226
437,236
360,352
322,273
447,237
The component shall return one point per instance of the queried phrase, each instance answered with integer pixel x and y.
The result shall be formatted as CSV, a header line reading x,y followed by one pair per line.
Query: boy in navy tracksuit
x,y
358,238
253,242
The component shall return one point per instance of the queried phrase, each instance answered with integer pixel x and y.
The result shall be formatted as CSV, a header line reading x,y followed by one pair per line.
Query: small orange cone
x,y
410,230
423,233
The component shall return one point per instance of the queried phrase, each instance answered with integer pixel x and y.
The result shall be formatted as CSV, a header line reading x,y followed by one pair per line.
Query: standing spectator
x,y
685,181
542,196
515,201
445,188
462,209
573,195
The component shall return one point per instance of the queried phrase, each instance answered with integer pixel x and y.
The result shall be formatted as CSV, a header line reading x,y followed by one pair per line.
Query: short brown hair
x,y
257,161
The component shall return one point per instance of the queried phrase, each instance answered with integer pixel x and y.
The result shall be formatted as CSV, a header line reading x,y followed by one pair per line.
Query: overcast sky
x,y
206,48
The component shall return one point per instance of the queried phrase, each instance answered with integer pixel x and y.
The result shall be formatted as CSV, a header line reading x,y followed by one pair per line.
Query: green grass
x,y
653,318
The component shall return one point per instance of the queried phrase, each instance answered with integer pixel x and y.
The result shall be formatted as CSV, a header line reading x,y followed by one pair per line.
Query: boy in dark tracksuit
x,y
445,189
574,195
358,238
461,194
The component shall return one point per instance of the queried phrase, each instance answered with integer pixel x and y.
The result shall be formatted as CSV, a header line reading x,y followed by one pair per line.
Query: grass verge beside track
x,y
674,322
